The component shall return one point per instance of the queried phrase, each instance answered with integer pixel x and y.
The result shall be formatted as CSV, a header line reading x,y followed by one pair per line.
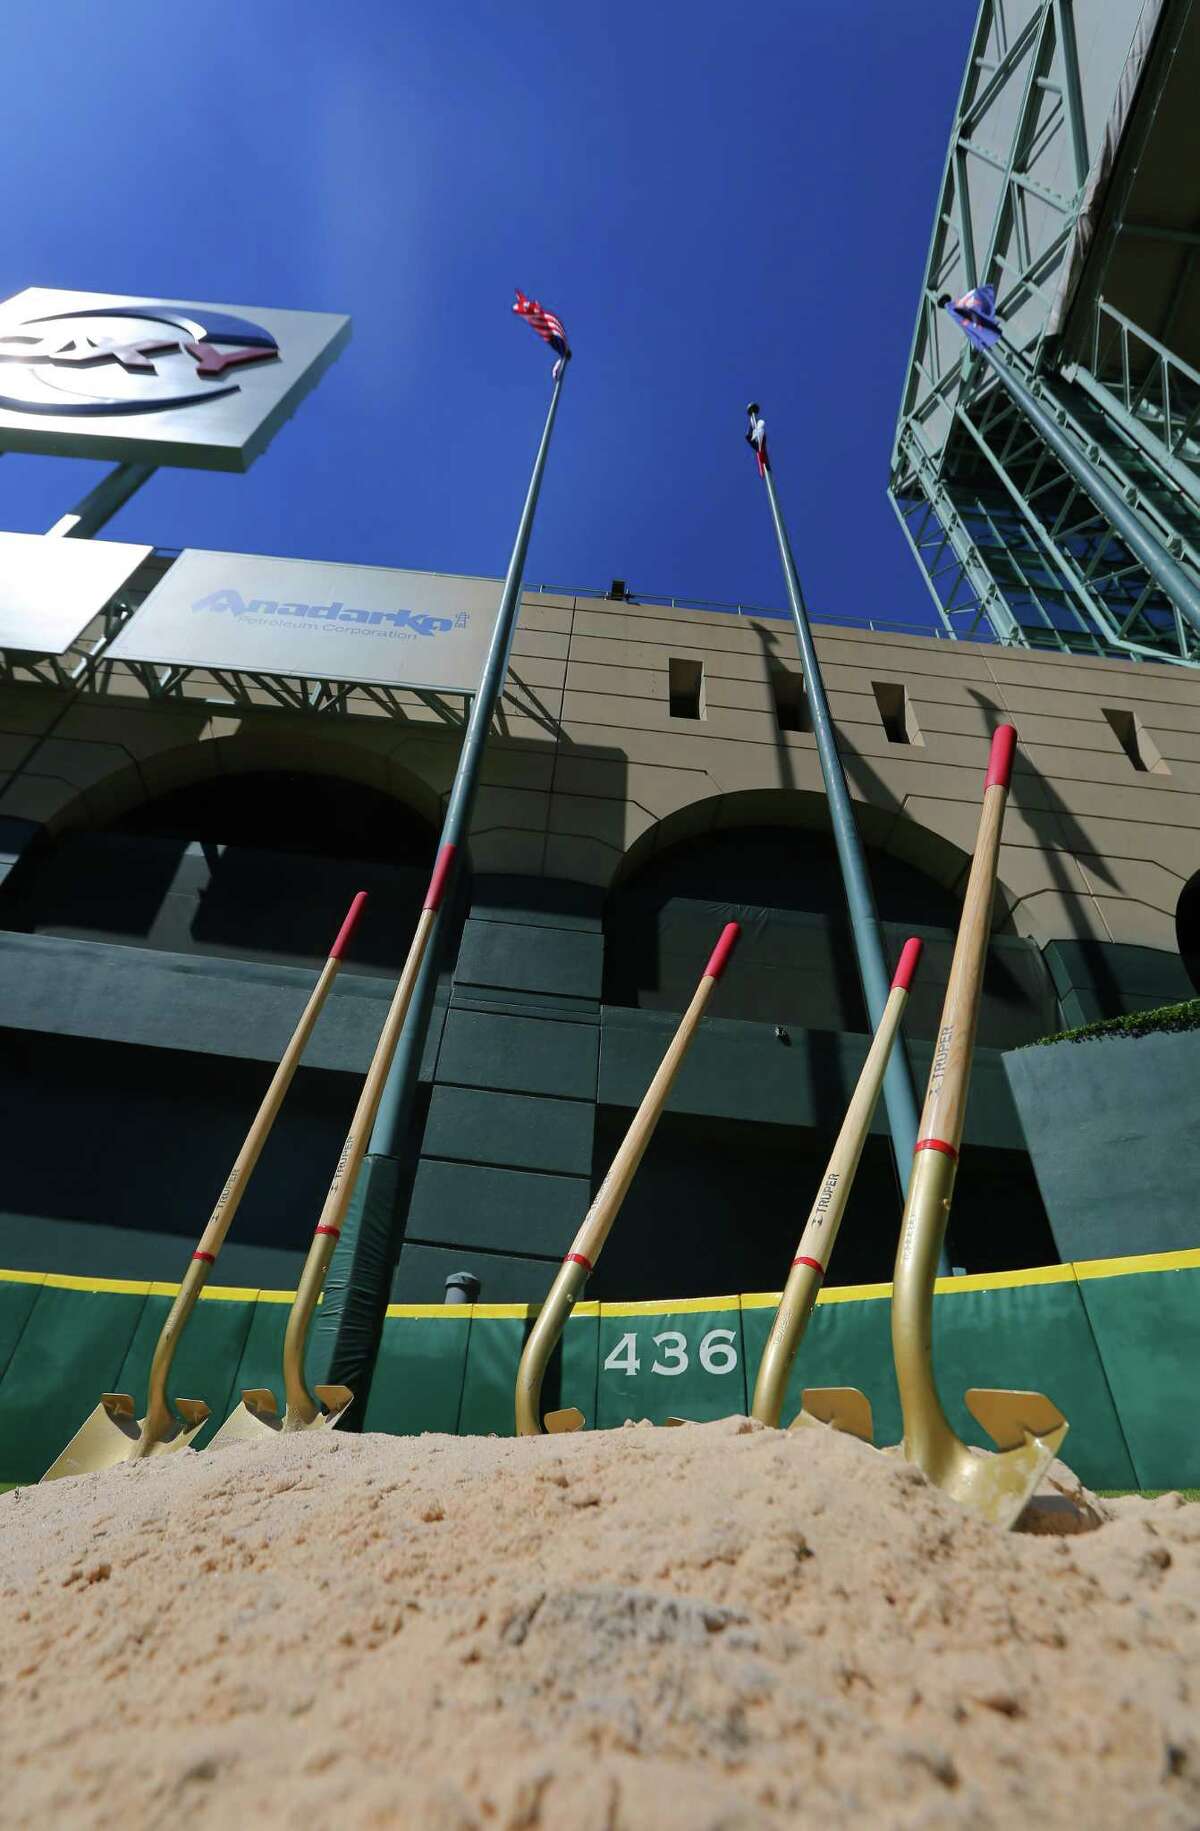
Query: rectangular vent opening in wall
x,y
1135,740
791,706
686,687
896,713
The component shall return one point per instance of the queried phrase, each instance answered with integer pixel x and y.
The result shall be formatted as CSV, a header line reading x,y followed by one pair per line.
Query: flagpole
x,y
898,1094
343,1303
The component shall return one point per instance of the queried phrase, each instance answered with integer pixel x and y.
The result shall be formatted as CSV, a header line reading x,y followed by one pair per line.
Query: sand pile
x,y
714,1627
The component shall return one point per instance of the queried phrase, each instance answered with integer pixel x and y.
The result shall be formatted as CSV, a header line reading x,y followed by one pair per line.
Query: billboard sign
x,y
154,381
50,589
254,615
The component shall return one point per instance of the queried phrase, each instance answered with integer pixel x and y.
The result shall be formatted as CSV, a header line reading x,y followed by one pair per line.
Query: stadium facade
x,y
179,864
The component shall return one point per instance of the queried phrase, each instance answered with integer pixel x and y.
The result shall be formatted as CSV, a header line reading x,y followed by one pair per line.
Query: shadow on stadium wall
x,y
118,1146
742,1152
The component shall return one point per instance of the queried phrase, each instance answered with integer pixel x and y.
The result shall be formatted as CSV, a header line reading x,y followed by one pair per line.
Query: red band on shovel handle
x,y
205,1258
936,1144
1000,762
721,952
577,1258
816,1265
910,956
440,878
336,1232
348,926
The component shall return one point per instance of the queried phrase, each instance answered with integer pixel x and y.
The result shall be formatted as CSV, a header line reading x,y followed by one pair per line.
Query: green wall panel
x,y
845,1344
494,1353
533,1055
417,1384
519,1131
261,1361
1032,1337
697,1351
467,1204
520,956
492,1356
420,1276
16,1305
71,1350
1147,1328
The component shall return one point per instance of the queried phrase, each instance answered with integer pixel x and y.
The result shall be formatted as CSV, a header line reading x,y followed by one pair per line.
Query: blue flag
x,y
975,313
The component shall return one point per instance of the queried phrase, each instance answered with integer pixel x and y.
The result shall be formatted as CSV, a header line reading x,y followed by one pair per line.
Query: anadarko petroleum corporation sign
x,y
306,618
154,381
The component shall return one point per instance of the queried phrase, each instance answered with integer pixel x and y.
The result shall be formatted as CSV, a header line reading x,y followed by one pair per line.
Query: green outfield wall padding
x,y
845,1344
662,1362
261,1359
418,1380
1036,1339
1147,1329
17,1299
1116,1344
71,1350
494,1352
206,1360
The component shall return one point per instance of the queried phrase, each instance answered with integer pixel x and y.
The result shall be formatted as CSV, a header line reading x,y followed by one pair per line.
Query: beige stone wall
x,y
588,771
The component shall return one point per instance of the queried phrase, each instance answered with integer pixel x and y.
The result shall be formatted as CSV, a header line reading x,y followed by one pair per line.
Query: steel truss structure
x,y
1011,548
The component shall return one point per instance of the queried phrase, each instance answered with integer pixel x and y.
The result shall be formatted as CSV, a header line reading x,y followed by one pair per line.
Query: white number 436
x,y
716,1352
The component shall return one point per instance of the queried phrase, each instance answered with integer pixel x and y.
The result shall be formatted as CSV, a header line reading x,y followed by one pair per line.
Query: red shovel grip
x,y
910,957
721,952
348,926
1000,762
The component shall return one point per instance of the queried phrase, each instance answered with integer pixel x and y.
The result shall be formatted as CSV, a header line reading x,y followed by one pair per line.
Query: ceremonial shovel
x,y
1026,1427
842,1406
580,1262
112,1433
258,1416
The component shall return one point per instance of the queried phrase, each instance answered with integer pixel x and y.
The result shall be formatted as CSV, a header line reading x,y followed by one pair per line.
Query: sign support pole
x,y
899,1097
101,503
348,1320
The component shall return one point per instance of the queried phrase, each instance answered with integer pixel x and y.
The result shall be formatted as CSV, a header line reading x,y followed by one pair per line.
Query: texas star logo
x,y
145,357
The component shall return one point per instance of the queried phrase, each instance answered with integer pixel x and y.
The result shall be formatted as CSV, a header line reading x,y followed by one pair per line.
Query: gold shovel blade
x,y
842,1408
111,1434
106,1436
558,1421
1028,1430
258,1416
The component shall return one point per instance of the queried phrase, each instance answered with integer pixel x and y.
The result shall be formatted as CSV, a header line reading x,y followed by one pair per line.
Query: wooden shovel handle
x,y
222,1215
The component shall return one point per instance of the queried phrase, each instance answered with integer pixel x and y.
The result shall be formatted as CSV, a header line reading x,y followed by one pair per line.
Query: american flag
x,y
756,437
975,313
546,324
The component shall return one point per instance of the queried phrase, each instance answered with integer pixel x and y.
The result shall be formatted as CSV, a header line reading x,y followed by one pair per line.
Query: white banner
x,y
254,615
50,589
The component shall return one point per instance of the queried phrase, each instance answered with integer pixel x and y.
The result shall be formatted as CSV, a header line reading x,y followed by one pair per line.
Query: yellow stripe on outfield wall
x,y
682,1306
1188,1260
1134,1266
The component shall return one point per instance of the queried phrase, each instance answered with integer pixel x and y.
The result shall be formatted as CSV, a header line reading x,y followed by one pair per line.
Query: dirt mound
x,y
717,1627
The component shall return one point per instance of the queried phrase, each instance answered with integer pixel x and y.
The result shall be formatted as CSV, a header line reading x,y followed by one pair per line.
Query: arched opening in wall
x,y
1187,928
795,964
256,865
742,1150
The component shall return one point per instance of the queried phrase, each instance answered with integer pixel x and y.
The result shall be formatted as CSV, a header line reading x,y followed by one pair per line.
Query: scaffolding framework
x,y
1011,548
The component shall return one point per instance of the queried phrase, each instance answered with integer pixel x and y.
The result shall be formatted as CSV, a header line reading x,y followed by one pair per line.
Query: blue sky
x,y
719,201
